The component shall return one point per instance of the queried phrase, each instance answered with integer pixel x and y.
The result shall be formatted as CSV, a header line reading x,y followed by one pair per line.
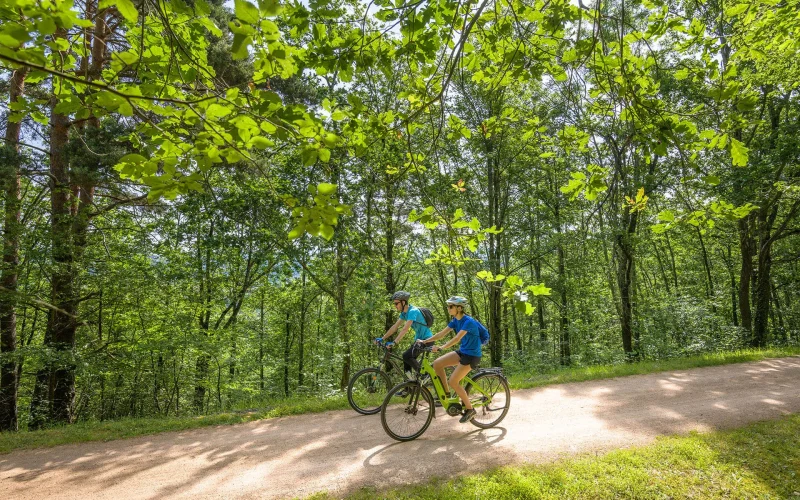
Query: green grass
x,y
527,381
758,461
117,429
82,432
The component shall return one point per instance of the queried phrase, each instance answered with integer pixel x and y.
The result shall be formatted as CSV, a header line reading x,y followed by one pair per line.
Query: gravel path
x,y
341,451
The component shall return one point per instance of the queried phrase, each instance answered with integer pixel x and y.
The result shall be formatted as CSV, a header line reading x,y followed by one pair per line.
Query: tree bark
x,y
625,267
10,174
746,247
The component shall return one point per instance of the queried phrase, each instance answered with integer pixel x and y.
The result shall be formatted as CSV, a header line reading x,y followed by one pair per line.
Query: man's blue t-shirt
x,y
471,341
421,330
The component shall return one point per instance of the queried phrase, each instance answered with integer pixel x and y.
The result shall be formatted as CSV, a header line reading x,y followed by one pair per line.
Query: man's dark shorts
x,y
466,359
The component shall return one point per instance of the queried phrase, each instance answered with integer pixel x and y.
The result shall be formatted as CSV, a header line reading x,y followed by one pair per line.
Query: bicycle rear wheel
x,y
495,396
367,390
407,411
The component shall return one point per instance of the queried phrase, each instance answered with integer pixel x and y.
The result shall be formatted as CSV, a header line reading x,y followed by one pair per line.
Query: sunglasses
x,y
397,303
451,306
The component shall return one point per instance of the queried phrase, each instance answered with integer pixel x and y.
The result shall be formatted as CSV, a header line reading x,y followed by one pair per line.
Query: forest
x,y
207,204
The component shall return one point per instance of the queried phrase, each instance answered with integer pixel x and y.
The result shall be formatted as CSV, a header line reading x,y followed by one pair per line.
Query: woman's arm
x,y
439,335
454,340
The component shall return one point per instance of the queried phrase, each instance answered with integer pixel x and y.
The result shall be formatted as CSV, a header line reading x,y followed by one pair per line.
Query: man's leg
x,y
409,363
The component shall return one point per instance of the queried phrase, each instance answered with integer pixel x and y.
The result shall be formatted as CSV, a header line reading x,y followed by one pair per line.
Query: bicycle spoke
x,y
491,398
407,419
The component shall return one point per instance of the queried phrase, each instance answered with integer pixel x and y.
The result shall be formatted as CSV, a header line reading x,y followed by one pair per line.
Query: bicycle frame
x,y
393,359
483,398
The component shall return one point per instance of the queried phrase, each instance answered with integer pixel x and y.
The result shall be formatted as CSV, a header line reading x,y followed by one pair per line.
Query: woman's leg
x,y
449,359
459,373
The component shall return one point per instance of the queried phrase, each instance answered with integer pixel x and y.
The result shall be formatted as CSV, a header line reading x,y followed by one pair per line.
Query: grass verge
x,y
118,429
758,461
527,381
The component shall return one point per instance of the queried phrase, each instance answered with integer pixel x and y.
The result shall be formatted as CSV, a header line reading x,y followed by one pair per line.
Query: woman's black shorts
x,y
466,359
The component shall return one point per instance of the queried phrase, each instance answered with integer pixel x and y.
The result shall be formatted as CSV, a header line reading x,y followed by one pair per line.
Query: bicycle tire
x,y
407,417
367,390
496,385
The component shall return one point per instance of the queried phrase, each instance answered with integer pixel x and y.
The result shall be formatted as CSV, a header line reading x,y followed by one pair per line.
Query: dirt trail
x,y
341,451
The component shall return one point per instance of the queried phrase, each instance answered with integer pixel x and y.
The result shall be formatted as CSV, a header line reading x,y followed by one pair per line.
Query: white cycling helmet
x,y
457,301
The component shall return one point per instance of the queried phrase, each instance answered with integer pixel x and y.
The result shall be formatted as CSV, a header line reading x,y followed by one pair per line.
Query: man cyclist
x,y
410,317
468,356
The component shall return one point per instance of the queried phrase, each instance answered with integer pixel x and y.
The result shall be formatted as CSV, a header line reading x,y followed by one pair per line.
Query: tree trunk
x,y
204,320
389,278
62,326
286,351
302,340
9,173
565,351
746,246
707,265
564,347
763,291
625,267
661,268
341,314
495,325
540,304
261,345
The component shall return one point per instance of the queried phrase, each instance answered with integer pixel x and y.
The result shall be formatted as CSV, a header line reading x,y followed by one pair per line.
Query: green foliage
x,y
548,161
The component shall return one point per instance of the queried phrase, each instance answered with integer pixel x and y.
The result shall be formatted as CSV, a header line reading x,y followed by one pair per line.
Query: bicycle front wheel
x,y
367,390
407,411
491,402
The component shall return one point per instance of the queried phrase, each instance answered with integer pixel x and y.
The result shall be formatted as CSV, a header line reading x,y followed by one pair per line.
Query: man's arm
x,y
392,329
404,331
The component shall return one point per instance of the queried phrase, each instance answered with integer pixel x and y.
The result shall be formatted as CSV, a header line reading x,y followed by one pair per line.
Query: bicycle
x,y
407,416
368,387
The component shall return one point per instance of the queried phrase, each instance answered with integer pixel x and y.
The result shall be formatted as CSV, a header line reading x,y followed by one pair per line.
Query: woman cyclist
x,y
468,356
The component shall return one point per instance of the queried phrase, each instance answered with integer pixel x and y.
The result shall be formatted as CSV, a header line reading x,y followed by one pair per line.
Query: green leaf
x,y
239,46
297,231
539,289
217,111
326,231
485,275
666,216
125,108
246,12
261,142
46,26
125,7
711,179
133,158
13,35
736,10
270,7
324,154
326,189
739,152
